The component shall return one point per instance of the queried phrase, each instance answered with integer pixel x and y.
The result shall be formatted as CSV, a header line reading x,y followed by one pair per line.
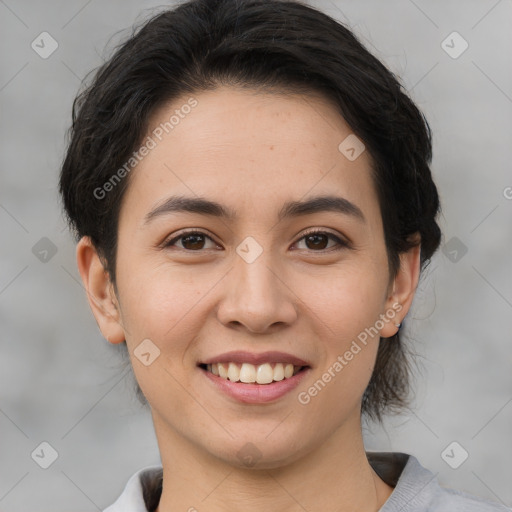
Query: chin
x,y
258,455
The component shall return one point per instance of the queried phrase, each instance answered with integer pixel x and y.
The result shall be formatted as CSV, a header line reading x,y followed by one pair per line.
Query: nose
x,y
257,296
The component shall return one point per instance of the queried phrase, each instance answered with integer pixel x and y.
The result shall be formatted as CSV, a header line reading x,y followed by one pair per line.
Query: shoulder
x,y
416,489
451,500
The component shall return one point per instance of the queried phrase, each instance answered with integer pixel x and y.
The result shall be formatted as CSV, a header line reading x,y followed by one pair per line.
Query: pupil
x,y
316,237
196,239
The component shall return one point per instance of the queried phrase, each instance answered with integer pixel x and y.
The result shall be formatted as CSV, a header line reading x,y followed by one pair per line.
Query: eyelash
x,y
342,244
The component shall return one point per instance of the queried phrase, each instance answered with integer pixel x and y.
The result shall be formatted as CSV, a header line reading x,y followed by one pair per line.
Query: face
x,y
254,286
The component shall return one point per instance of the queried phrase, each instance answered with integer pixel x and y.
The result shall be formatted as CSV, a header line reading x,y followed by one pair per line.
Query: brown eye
x,y
191,241
317,241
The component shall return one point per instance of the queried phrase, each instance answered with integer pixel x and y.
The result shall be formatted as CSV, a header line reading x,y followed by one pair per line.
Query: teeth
x,y
279,371
233,372
223,372
249,373
264,374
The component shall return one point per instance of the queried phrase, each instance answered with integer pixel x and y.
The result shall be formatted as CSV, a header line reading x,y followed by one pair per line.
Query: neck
x,y
335,477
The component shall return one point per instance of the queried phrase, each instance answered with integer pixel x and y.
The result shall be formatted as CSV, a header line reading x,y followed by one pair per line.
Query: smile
x,y
248,373
254,378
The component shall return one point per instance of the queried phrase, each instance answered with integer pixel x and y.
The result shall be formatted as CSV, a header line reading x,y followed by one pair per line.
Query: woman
x,y
253,204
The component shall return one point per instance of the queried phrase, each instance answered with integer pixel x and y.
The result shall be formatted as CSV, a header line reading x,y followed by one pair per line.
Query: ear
x,y
100,291
401,290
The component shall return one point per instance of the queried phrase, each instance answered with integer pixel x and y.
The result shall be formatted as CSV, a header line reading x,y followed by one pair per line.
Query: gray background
x,y
60,382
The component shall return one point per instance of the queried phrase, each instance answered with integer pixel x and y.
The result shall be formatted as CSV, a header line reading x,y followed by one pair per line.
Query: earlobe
x,y
100,292
403,290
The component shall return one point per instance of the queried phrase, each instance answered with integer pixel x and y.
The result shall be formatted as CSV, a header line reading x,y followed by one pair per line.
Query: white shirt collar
x,y
132,498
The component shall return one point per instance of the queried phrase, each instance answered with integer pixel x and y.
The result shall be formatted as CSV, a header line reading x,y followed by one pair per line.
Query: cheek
x,y
159,299
346,301
349,355
347,306
167,307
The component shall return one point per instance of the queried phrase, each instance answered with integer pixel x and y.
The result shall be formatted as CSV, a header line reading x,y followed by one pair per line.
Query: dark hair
x,y
282,45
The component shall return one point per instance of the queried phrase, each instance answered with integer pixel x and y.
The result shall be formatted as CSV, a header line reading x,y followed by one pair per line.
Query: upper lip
x,y
241,356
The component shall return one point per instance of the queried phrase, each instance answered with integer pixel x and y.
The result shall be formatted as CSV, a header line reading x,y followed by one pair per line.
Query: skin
x,y
253,151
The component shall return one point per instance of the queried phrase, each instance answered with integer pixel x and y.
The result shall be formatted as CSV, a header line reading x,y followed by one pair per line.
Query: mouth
x,y
248,373
255,378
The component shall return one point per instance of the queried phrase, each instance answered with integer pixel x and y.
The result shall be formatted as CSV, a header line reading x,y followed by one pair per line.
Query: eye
x,y
191,241
317,240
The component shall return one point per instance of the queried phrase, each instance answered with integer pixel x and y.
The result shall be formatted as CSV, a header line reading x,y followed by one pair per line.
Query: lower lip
x,y
256,393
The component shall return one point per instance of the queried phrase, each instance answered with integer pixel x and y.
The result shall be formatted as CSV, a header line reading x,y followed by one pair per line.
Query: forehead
x,y
252,150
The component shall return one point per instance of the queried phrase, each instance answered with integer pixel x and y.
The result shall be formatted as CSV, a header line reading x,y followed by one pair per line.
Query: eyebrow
x,y
182,204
